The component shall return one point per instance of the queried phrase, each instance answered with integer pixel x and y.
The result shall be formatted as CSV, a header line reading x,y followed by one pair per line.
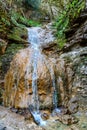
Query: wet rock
x,y
45,115
43,34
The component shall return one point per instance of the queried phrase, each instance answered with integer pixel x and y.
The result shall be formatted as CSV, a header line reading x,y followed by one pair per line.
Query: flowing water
x,y
33,39
37,40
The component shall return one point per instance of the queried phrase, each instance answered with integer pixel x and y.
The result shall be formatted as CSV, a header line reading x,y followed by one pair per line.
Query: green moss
x,y
11,50
21,21
28,22
6,58
14,48
11,18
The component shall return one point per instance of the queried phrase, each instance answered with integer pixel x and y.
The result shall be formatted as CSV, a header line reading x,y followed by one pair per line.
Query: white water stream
x,y
37,38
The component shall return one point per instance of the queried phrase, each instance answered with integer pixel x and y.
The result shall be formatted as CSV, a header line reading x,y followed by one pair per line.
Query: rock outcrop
x,y
75,56
18,81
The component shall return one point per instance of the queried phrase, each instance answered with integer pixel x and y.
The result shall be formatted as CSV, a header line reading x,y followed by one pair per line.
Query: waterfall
x,y
33,39
37,41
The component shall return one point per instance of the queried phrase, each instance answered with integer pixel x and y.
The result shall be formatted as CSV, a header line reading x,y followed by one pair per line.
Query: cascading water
x,y
34,38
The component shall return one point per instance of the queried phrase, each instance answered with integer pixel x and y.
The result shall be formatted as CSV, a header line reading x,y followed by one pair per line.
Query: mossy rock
x,y
7,57
19,35
3,45
5,60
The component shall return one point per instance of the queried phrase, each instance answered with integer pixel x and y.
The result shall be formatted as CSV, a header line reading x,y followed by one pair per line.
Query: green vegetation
x,y
21,21
28,22
13,49
65,19
19,35
11,17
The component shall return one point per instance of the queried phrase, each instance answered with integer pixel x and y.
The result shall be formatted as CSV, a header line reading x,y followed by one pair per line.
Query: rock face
x,y
70,79
51,8
76,76
35,76
75,55
18,81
